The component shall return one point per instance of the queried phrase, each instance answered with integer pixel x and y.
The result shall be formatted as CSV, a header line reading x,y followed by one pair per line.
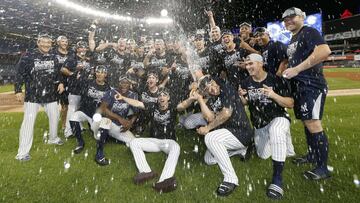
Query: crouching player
x,y
228,131
163,120
267,96
118,118
91,96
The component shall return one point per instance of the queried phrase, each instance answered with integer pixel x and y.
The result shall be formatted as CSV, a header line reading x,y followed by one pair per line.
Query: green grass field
x,y
44,178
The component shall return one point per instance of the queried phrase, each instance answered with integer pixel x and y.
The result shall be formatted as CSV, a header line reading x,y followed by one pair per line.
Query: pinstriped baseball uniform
x,y
232,137
75,83
162,139
271,121
40,73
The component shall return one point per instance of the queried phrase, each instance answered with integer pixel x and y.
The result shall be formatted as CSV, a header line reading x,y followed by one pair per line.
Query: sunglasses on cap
x,y
245,24
101,69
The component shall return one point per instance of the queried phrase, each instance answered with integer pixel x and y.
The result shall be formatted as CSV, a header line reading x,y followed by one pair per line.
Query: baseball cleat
x,y
225,189
143,177
23,158
166,185
317,174
78,149
102,161
302,160
275,192
58,142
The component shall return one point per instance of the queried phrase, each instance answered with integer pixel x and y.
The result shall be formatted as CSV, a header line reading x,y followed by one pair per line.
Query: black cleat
x,y
78,149
225,189
102,162
166,185
317,174
302,160
275,192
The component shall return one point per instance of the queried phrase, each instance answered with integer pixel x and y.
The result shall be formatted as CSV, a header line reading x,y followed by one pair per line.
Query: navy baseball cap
x,y
260,30
245,24
163,90
227,32
199,37
81,44
101,68
124,77
291,12
203,82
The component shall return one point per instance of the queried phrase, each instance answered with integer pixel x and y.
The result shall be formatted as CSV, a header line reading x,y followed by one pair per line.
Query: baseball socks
x,y
275,190
320,146
76,129
100,158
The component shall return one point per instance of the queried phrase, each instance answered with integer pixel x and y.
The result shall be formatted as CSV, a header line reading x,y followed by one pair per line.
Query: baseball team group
x,y
151,85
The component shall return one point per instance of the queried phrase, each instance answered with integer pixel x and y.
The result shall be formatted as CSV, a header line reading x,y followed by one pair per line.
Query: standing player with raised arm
x,y
39,71
306,51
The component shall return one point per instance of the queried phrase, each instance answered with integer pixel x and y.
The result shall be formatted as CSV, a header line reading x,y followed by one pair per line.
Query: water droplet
x,y
196,149
356,181
96,190
188,165
321,188
86,154
334,99
40,170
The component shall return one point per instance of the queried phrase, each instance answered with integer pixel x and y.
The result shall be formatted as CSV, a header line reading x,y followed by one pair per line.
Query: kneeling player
x,y
90,101
163,119
267,96
117,120
228,131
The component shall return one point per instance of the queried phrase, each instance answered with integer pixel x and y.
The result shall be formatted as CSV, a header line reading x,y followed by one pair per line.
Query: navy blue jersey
x,y
119,107
61,59
149,97
79,78
273,53
238,124
301,46
157,62
234,73
41,75
119,64
91,96
216,52
203,60
263,109
162,122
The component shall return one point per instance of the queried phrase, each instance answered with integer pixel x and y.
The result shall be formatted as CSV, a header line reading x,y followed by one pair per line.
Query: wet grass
x,y
44,178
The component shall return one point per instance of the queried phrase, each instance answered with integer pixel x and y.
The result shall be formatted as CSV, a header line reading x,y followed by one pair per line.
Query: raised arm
x,y
210,15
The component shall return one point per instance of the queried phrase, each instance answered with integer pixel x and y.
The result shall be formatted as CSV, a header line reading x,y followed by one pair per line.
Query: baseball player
x,y
228,131
233,58
267,96
91,95
306,52
273,53
119,62
39,71
77,69
62,52
162,138
118,118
